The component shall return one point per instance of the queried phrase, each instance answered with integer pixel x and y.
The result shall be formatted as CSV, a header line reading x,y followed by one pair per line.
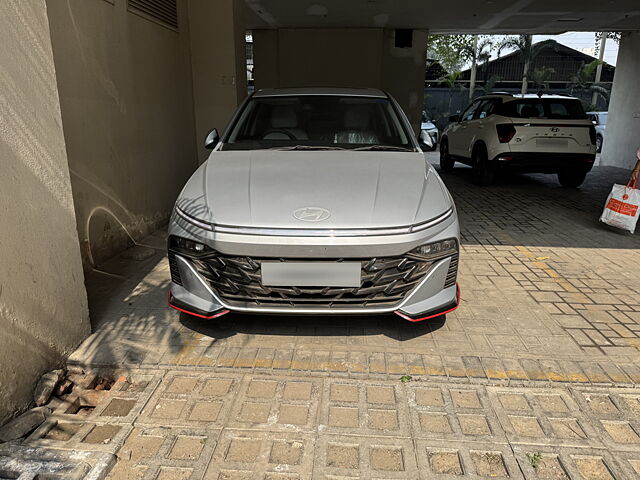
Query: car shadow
x,y
312,326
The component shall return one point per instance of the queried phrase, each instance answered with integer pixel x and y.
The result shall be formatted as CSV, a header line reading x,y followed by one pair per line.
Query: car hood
x,y
427,126
263,188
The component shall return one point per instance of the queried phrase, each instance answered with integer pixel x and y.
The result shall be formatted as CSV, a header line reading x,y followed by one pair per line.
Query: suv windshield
x,y
558,108
318,121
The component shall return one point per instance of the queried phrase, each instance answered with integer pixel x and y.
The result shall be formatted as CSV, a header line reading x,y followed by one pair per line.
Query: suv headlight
x,y
444,248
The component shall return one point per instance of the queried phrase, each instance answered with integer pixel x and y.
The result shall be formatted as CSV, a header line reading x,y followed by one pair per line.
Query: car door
x,y
479,123
459,133
469,129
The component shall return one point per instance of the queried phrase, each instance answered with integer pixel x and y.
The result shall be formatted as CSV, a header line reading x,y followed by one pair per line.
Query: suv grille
x,y
385,282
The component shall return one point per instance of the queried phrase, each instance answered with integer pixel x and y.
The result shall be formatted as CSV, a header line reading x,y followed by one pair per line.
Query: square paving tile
x,y
260,454
191,400
276,404
346,457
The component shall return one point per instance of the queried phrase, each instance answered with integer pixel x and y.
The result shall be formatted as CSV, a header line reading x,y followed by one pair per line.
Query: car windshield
x,y
318,122
557,108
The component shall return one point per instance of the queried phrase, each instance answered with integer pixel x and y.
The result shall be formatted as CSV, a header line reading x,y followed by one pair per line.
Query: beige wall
x,y
356,57
623,125
218,59
127,108
43,307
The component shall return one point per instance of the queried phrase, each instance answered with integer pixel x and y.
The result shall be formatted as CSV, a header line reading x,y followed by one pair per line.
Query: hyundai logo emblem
x,y
554,129
312,214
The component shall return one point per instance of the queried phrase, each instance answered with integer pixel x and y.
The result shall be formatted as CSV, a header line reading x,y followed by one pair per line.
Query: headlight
x,y
187,245
444,248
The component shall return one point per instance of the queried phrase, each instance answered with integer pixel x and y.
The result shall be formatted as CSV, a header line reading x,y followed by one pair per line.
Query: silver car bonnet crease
x,y
352,221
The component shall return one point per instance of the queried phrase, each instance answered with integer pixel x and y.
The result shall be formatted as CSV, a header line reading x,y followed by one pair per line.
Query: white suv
x,y
525,133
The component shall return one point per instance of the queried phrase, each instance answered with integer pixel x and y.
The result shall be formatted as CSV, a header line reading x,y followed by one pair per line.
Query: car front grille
x,y
385,282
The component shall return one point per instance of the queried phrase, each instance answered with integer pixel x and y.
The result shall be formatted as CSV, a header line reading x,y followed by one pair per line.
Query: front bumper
x,y
199,287
543,162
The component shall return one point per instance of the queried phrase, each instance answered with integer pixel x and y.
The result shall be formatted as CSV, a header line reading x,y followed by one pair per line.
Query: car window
x,y
317,121
468,113
486,109
603,118
558,108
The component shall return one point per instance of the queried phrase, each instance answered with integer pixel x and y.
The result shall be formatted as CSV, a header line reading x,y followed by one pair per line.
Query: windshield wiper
x,y
307,147
390,148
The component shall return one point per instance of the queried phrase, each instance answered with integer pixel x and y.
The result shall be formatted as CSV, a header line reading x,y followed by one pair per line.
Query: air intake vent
x,y
164,12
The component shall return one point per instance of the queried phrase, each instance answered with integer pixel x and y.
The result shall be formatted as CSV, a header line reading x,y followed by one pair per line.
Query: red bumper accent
x,y
439,314
199,315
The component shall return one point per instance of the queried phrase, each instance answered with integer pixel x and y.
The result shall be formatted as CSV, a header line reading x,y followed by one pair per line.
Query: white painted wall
x,y
43,305
622,137
127,108
218,64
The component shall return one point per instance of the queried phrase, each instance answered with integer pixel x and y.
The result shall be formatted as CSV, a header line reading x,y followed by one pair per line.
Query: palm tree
x,y
488,86
540,77
452,83
523,44
583,81
479,53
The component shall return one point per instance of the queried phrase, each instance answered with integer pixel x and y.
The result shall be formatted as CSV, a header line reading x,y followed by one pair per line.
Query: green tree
x,y
455,51
583,81
540,77
615,36
452,51
480,53
488,86
528,51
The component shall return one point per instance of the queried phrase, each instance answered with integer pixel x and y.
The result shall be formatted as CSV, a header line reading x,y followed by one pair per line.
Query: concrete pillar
x,y
623,127
218,62
43,304
403,73
355,57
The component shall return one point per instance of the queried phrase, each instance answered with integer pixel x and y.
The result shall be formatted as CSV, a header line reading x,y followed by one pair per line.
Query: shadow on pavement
x,y
311,326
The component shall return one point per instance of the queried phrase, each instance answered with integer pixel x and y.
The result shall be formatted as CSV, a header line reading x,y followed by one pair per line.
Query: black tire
x,y
571,179
599,144
446,162
483,172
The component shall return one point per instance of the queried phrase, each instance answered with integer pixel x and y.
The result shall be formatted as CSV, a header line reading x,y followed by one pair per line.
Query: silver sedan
x,y
315,201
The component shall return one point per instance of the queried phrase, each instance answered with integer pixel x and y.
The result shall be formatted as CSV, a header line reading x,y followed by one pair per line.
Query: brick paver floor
x,y
534,376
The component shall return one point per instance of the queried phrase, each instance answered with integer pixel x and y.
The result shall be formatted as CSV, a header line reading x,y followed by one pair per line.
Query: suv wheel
x,y
483,172
571,179
599,143
446,162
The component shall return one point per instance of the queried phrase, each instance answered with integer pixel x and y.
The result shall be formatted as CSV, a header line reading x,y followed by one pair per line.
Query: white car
x,y
599,120
428,134
525,133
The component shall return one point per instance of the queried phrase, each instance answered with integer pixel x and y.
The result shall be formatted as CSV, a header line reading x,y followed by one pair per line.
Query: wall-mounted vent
x,y
164,12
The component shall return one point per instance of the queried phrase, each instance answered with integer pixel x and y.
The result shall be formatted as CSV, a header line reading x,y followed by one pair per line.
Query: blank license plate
x,y
311,274
552,142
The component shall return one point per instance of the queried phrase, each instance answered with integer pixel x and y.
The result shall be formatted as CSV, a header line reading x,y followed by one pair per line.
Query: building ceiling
x,y
451,16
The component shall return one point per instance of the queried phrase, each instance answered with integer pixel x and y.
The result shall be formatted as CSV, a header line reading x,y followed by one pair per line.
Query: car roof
x,y
518,96
339,91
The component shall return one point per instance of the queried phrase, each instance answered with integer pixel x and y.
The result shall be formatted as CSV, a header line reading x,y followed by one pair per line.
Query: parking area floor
x,y
534,376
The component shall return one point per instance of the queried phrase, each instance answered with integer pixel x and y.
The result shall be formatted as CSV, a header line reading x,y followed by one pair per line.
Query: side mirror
x,y
212,139
454,118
